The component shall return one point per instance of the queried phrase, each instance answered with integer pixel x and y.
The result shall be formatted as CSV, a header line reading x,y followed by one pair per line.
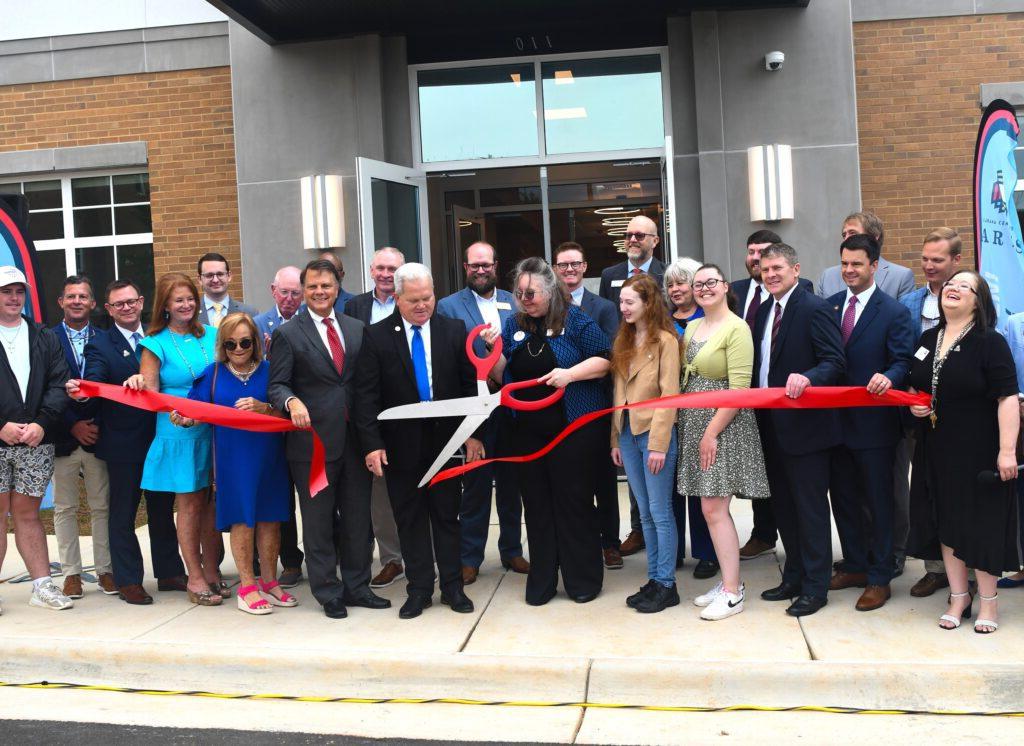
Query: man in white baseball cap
x,y
31,407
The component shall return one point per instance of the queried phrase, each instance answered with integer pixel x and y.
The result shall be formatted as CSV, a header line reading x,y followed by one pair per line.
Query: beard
x,y
482,285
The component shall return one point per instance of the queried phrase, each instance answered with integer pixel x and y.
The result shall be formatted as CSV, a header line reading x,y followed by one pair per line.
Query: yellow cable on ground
x,y
838,710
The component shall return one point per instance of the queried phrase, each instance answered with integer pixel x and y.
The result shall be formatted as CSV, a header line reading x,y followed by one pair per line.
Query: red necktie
x,y
334,342
776,323
636,271
848,319
755,304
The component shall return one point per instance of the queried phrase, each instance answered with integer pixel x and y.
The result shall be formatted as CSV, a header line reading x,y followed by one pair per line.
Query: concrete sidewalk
x,y
601,652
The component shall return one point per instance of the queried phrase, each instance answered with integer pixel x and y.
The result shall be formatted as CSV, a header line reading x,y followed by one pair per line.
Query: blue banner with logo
x,y
999,252
16,249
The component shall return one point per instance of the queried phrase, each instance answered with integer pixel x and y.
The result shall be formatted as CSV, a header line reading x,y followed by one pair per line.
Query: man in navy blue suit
x,y
796,345
878,336
482,302
125,433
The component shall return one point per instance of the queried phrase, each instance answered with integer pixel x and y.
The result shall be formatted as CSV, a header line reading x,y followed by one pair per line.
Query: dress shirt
x,y
766,339
78,338
425,333
127,334
20,358
862,301
318,322
489,309
645,267
929,310
380,310
753,287
577,295
211,312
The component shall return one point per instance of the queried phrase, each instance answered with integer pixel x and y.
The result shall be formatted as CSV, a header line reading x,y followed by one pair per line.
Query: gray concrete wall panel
x,y
999,6
95,62
397,117
44,160
886,10
270,237
681,85
707,73
368,85
16,162
687,222
23,46
187,31
186,54
715,208
1010,92
98,39
26,68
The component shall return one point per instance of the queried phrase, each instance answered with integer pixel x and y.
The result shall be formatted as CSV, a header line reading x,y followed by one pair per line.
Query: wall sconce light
x,y
770,180
323,212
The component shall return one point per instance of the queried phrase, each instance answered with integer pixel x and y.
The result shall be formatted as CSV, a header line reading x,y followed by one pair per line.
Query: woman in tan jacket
x,y
645,365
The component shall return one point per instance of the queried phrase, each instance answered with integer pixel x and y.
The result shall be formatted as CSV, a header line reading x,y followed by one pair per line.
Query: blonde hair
x,y
227,327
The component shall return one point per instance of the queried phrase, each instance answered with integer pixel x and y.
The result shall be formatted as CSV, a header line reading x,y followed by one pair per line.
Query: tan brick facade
x,y
918,88
185,119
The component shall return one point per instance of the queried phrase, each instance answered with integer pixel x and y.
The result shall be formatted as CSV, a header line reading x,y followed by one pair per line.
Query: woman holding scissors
x,y
551,341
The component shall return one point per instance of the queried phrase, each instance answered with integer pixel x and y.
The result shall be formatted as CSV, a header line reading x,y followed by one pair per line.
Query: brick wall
x,y
918,86
185,119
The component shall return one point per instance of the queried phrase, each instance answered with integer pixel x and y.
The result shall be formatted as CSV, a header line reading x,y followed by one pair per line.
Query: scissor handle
x,y
527,406
483,365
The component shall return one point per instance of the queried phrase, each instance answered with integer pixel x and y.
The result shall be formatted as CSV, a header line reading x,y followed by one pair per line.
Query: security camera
x,y
773,61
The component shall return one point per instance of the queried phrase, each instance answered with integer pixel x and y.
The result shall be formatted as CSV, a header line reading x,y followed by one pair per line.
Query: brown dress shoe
x,y
469,575
73,586
135,595
931,582
755,548
107,584
612,559
632,544
177,583
874,597
388,574
517,564
842,580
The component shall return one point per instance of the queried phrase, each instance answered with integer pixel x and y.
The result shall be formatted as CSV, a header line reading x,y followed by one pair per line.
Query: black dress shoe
x,y
640,595
705,569
782,592
658,599
367,599
414,606
585,598
806,605
458,601
335,609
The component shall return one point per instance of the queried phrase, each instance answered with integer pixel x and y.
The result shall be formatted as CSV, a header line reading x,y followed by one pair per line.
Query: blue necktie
x,y
419,364
136,338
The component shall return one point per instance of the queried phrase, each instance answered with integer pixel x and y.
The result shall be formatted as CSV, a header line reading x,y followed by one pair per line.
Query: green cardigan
x,y
727,353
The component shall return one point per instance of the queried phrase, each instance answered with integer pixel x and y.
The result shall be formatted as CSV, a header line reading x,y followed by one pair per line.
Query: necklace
x,y
243,377
206,358
543,344
938,362
10,340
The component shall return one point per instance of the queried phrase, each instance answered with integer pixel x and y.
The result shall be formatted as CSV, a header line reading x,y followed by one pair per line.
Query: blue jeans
x,y
654,499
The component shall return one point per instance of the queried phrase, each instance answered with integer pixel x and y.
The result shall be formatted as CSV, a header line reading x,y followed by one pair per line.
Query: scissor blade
x,y
467,428
464,407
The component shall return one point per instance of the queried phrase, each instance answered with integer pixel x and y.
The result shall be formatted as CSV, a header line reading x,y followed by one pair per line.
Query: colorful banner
x,y
999,253
16,249
814,397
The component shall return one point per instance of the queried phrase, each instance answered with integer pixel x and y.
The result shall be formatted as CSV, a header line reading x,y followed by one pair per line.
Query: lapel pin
x,y
519,336
398,328
124,352
835,308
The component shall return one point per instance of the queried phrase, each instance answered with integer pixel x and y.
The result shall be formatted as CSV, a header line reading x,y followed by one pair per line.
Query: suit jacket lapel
x,y
866,316
638,365
119,343
307,325
469,301
787,322
397,330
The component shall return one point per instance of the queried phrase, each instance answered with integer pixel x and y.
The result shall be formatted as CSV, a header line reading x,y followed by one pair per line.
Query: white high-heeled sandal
x,y
965,614
986,622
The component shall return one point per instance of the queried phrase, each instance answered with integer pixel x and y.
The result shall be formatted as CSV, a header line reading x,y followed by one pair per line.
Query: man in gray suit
x,y
311,378
894,280
215,277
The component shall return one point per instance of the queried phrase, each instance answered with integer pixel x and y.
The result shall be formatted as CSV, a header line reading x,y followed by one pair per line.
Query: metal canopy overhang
x,y
283,21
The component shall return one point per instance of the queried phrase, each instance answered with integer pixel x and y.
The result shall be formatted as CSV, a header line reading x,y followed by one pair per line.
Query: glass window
x,y
43,195
568,193
135,262
43,226
603,104
95,221
524,195
478,112
131,188
92,190
97,263
462,198
396,217
52,271
132,219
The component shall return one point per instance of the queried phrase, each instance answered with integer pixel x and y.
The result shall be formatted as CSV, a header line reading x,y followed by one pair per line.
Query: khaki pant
x,y
66,471
384,529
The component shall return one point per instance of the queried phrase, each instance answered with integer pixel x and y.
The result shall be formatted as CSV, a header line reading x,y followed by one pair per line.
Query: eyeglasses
x,y
480,266
568,265
231,345
639,236
709,284
526,294
960,286
123,304
214,275
289,293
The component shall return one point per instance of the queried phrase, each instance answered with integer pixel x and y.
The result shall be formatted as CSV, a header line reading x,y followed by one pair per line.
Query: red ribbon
x,y
814,397
212,414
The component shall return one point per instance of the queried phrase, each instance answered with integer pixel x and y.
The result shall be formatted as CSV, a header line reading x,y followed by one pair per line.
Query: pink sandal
x,y
286,598
258,608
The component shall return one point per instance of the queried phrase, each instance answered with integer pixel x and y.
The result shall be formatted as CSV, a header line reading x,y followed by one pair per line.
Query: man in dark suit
x,y
370,307
570,264
750,293
413,356
214,278
481,301
124,435
311,377
879,338
796,345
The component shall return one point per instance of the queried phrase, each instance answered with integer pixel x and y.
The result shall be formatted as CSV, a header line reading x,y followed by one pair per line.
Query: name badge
x,y
503,306
922,353
617,283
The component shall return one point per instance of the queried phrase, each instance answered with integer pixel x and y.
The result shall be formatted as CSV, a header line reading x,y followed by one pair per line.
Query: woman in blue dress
x,y
250,471
175,351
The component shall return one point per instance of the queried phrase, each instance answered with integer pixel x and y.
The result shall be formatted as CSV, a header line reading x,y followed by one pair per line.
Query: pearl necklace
x,y
243,377
206,358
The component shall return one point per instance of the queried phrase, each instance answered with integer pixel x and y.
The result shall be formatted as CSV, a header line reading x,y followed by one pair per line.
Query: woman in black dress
x,y
970,428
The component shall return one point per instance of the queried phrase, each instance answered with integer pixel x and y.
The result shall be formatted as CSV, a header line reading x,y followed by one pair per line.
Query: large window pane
x,y
600,232
93,222
46,225
505,196
131,188
96,263
43,195
135,263
52,271
133,219
10,188
603,104
92,190
396,217
479,112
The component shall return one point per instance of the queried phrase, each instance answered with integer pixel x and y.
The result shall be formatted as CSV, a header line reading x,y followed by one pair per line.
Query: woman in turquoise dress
x,y
250,470
175,351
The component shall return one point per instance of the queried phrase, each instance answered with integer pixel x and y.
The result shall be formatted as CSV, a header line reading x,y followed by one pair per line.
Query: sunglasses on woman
x,y
231,345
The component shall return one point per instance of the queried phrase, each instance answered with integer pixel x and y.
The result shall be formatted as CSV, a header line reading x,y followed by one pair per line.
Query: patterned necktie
x,y
776,323
636,271
419,364
848,319
334,343
136,338
755,304
78,341
217,315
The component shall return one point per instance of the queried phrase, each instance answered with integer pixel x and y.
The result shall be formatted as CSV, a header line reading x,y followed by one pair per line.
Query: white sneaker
x,y
46,596
724,604
706,598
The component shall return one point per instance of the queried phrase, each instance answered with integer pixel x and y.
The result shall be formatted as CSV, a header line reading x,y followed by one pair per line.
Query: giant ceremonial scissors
x,y
473,409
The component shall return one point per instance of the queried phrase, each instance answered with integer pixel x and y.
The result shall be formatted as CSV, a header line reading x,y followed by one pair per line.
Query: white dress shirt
x,y
321,329
766,338
380,310
425,333
862,301
489,309
577,295
753,287
127,334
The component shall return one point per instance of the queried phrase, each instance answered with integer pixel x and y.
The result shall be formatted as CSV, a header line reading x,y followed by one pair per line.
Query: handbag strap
x,y
213,434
